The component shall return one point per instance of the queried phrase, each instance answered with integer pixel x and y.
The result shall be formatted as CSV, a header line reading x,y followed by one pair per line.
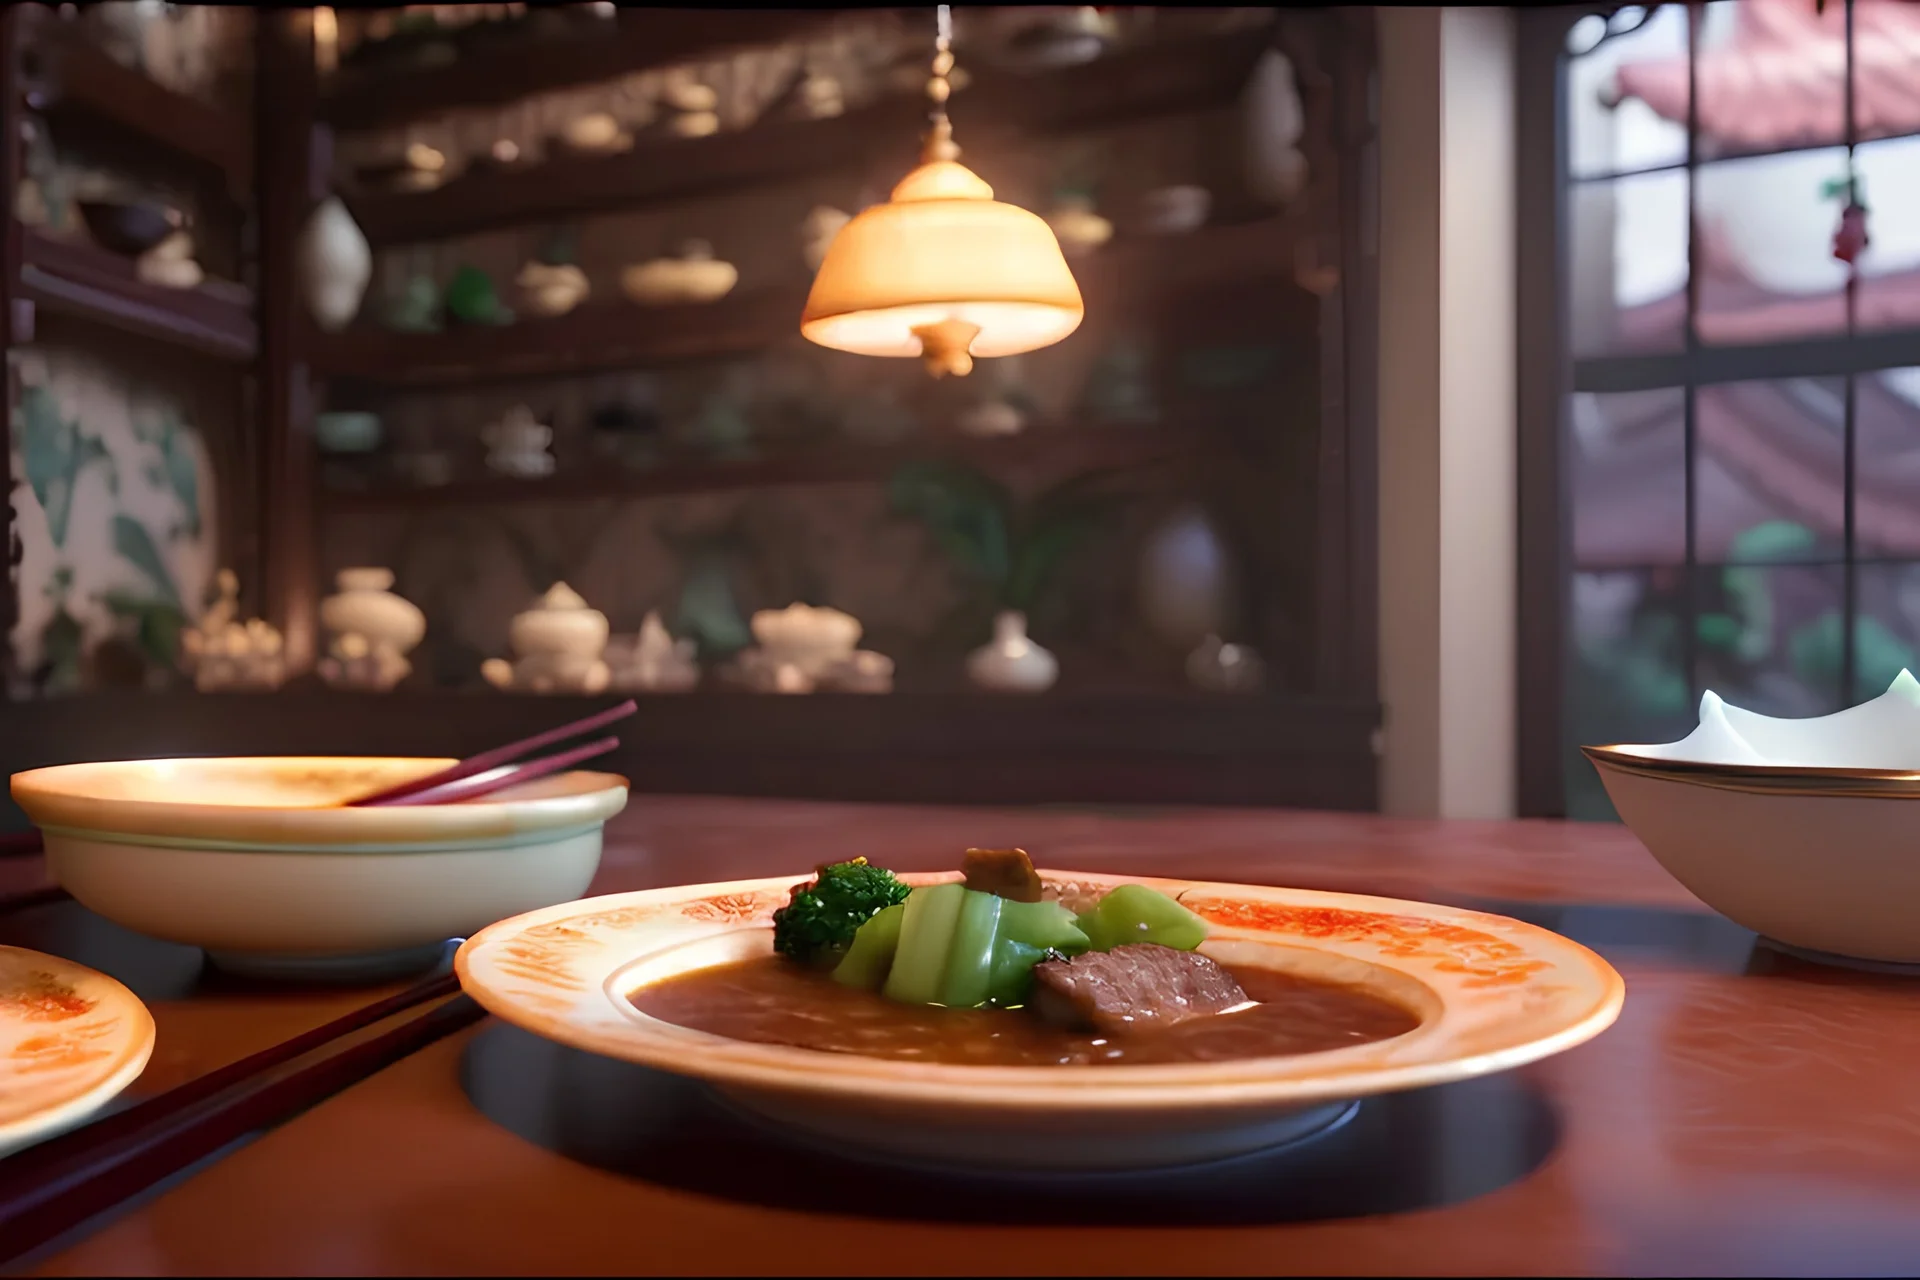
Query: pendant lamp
x,y
942,270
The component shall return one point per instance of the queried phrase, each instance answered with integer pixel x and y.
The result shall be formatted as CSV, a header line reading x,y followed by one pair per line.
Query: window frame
x,y
1548,375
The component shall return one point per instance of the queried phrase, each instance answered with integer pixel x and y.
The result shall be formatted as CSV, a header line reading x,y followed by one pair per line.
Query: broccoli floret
x,y
818,923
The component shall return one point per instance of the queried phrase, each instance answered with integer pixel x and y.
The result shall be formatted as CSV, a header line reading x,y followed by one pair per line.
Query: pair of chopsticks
x,y
53,1187
502,767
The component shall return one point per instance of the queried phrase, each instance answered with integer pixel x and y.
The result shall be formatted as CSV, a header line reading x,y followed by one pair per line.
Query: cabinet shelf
x,y
592,337
1090,446
81,280
1148,80
523,63
614,333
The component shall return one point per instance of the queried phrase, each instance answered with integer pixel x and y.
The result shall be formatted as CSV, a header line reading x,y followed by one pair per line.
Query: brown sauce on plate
x,y
773,1001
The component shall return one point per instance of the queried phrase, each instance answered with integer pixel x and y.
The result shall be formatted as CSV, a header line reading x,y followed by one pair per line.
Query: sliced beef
x,y
1138,987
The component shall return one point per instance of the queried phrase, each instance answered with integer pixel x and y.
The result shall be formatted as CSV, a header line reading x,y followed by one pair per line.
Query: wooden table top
x,y
1749,1114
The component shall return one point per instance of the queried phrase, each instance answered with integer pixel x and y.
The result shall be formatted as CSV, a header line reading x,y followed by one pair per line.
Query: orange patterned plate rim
x,y
71,1039
1493,993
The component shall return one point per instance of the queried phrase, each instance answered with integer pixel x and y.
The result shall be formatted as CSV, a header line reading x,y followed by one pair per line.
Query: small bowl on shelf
x,y
1799,829
129,227
347,431
257,861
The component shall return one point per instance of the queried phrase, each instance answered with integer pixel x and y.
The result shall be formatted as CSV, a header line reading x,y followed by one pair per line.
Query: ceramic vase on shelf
x,y
1185,580
1012,663
811,638
557,647
221,653
372,630
1275,120
1225,668
548,289
695,276
596,133
1076,224
170,263
517,445
335,265
695,106
653,662
1176,210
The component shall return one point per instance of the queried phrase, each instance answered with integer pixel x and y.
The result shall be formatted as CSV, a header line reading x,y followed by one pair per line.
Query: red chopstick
x,y
511,775
487,761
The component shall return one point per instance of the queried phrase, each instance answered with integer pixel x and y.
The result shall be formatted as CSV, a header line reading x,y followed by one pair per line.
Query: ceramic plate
x,y
1491,994
70,1040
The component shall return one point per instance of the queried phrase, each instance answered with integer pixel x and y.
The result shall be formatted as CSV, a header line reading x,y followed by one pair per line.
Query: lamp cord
x,y
939,143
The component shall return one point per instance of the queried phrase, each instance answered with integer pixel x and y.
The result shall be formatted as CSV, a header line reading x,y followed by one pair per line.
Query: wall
x,y
116,514
1447,418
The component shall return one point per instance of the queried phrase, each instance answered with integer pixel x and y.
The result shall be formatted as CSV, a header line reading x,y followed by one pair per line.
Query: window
x,y
1721,382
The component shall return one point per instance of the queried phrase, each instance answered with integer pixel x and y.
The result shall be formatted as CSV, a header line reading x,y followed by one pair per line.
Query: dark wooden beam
x,y
16,315
925,748
284,494
1544,380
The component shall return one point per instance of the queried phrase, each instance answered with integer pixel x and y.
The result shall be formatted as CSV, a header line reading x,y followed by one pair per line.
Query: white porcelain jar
x,y
365,606
560,625
807,638
1274,123
1185,580
1012,663
335,265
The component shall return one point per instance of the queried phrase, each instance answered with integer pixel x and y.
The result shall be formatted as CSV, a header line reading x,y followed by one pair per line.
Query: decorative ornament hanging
x,y
1850,238
942,270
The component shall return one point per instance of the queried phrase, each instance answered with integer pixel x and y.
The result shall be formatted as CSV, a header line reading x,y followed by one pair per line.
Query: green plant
x,y
156,626
1010,551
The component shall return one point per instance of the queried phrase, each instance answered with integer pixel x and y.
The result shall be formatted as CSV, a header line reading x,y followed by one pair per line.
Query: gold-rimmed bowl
x,y
1821,859
258,861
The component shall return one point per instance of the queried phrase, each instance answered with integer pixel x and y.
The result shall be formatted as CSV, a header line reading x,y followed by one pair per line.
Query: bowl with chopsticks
x,y
330,868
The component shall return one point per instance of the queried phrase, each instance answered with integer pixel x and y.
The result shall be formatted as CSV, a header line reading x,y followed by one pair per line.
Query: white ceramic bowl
x,y
255,860
1799,829
1821,859
1491,994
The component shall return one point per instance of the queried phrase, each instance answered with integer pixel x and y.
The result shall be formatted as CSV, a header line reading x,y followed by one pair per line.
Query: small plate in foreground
x,y
70,1040
1491,994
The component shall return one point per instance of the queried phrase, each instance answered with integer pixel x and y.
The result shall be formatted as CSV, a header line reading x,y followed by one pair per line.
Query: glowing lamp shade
x,y
945,272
